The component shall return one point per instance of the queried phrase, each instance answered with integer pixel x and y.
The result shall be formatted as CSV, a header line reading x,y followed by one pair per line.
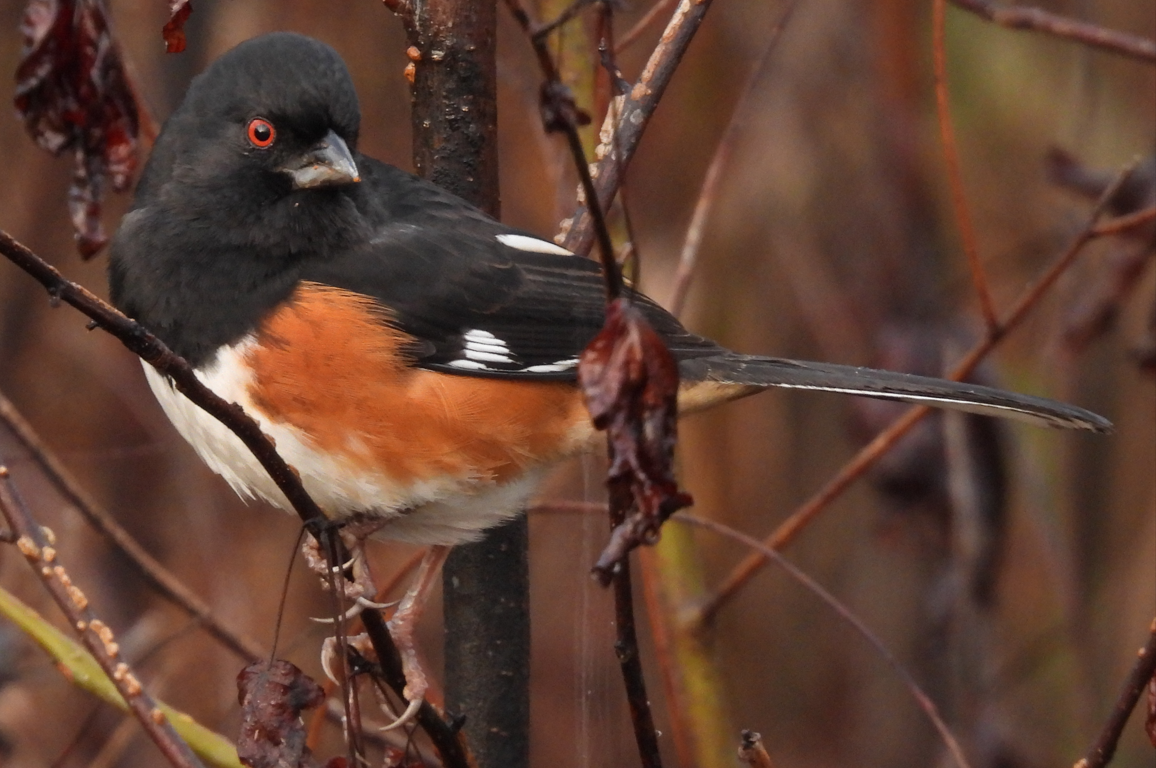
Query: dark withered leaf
x,y
272,697
73,94
630,382
174,29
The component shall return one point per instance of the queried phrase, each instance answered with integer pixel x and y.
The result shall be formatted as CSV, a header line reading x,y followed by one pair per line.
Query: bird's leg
x,y
360,588
401,629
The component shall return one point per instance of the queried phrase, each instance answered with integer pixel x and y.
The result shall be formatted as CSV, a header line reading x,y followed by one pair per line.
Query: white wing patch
x,y
480,347
532,244
485,347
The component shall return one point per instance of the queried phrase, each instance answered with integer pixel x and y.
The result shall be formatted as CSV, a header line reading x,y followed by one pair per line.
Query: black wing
x,y
480,298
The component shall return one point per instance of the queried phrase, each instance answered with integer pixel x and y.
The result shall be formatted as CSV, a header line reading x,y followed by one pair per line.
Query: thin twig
x,y
569,12
162,579
688,259
562,116
921,698
638,106
447,737
1125,223
1039,20
665,660
634,33
629,656
37,544
951,158
1142,672
786,532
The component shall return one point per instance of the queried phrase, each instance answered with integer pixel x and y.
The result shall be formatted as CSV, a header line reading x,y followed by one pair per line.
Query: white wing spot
x,y
488,357
558,367
467,364
532,244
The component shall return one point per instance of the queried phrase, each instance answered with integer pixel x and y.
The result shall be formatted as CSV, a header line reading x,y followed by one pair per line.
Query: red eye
x,y
261,133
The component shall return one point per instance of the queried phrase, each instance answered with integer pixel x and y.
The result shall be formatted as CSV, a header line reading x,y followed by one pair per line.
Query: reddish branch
x,y
634,33
768,553
153,351
869,454
1039,20
37,544
954,173
163,580
688,259
1142,674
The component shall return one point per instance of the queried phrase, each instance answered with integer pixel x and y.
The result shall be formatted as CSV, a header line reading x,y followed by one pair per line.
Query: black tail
x,y
746,371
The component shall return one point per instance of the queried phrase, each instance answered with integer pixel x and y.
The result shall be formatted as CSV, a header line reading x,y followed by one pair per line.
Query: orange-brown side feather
x,y
329,363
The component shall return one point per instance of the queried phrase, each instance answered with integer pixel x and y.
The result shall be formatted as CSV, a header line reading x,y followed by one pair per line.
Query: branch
x,y
1039,20
163,580
637,108
870,453
921,698
1142,672
37,544
954,174
634,33
688,259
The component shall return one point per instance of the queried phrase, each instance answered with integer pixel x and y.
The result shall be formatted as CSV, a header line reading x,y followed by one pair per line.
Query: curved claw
x,y
328,656
407,716
359,605
365,602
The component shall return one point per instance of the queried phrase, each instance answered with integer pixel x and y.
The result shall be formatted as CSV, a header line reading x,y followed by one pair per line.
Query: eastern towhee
x,y
412,358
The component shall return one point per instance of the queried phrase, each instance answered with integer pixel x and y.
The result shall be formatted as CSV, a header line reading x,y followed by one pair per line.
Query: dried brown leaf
x,y
73,94
272,697
630,381
174,29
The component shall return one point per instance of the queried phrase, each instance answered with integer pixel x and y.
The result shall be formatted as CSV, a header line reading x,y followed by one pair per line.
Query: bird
x,y
413,358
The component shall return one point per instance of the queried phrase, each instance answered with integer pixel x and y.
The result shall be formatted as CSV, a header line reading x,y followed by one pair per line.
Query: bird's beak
x,y
328,162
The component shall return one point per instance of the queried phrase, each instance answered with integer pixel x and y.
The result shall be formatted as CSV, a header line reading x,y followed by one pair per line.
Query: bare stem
x,y
1039,20
858,465
954,174
688,259
1142,672
921,698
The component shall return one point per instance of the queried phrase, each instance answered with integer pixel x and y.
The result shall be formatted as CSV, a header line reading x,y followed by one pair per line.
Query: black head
x,y
254,175
269,125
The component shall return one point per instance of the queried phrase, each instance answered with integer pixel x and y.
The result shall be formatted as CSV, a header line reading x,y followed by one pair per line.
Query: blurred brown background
x,y
832,238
